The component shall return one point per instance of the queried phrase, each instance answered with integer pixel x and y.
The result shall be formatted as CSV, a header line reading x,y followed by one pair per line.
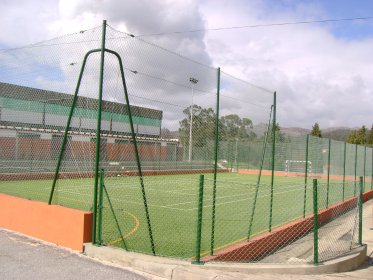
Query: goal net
x,y
297,167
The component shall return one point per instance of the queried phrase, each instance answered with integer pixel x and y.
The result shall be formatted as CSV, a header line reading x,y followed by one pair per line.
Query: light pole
x,y
194,81
236,155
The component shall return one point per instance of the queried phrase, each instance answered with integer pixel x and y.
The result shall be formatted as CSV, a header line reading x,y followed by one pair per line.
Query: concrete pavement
x,y
25,258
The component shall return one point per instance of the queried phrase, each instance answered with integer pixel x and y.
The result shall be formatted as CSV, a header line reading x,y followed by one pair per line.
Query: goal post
x,y
298,167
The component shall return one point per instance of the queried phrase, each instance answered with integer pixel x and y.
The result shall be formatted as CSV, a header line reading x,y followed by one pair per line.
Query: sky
x,y
321,72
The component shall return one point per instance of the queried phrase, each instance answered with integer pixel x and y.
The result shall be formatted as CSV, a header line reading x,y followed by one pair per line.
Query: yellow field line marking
x,y
133,230
138,223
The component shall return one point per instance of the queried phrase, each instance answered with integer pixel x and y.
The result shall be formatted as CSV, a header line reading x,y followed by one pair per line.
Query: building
x,y
32,123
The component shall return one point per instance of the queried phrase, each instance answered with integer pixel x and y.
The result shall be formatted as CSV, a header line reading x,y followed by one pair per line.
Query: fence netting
x,y
338,225
133,156
37,83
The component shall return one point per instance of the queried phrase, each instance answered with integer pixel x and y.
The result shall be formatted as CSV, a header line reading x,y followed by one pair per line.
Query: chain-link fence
x,y
338,231
126,133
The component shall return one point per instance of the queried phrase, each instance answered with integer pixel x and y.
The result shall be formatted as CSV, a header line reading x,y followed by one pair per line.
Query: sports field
x,y
173,202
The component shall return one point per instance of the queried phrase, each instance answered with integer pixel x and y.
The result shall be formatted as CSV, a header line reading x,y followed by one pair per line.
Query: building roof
x,y
52,97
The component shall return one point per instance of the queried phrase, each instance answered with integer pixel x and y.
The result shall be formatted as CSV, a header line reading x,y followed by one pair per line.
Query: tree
x,y
358,137
232,126
370,136
203,127
351,137
280,137
316,130
361,137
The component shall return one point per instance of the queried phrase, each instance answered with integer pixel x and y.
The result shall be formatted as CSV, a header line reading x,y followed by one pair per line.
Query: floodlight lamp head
x,y
193,80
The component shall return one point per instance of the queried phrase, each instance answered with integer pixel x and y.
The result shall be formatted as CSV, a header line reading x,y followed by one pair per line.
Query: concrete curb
x,y
176,269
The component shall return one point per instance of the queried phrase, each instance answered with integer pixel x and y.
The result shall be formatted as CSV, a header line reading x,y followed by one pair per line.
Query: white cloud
x,y
318,76
23,22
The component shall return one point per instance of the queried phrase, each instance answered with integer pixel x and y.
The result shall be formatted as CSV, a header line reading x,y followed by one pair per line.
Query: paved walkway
x,y
25,258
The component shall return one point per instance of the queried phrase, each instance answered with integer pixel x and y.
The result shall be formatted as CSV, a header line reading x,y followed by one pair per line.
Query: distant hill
x,y
295,131
259,129
335,133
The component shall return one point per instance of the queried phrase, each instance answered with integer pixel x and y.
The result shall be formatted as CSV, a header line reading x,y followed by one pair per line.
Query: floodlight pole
x,y
236,155
194,81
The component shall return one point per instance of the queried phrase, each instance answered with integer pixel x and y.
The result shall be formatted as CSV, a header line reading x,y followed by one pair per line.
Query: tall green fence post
x,y
315,225
361,211
273,160
114,216
64,140
259,176
138,163
236,156
215,163
365,161
100,207
371,177
328,181
344,172
248,155
305,178
355,182
199,222
230,154
98,132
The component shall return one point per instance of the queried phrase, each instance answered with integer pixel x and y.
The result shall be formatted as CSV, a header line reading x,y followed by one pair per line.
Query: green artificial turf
x,y
172,202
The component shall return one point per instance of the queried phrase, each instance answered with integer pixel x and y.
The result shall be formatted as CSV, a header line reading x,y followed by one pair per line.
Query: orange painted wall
x,y
53,223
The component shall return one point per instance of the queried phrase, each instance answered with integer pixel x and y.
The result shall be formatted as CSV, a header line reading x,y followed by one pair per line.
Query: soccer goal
x,y
297,167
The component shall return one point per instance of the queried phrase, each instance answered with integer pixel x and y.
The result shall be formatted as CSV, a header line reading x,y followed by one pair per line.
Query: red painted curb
x,y
267,243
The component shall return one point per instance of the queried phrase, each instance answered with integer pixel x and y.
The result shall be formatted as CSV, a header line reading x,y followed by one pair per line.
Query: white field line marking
x,y
120,200
187,209
207,199
217,198
170,206
180,193
69,188
222,203
195,208
147,188
154,189
124,187
163,206
71,191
